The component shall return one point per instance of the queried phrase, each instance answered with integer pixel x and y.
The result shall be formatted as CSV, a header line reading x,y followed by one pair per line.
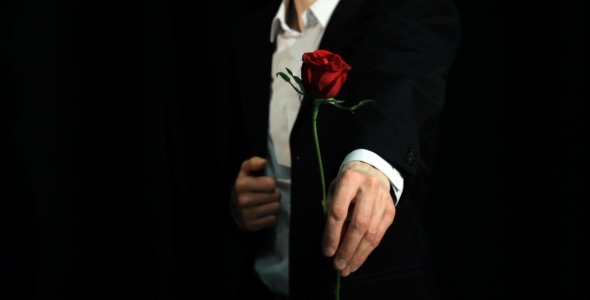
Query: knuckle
x,y
373,182
361,223
274,207
241,201
349,174
245,164
339,211
268,181
331,236
372,238
239,185
390,213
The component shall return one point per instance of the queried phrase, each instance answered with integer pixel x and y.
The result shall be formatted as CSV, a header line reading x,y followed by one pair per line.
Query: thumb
x,y
254,165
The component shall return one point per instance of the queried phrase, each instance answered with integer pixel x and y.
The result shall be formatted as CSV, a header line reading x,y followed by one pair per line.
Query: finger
x,y
383,216
262,209
260,184
260,223
260,216
253,166
254,199
344,190
361,221
254,209
381,220
250,177
365,248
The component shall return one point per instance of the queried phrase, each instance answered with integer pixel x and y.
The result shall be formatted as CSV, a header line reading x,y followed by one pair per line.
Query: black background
x,y
112,131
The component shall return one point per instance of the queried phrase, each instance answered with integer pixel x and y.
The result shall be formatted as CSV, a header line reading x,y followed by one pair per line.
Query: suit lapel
x,y
254,71
337,35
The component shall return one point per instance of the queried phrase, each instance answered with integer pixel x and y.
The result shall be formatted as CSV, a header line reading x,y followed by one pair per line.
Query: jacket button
x,y
410,157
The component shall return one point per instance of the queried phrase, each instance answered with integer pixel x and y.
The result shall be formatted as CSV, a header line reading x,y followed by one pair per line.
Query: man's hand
x,y
257,200
360,209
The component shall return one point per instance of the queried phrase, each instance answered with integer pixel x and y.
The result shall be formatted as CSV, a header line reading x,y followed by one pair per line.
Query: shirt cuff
x,y
370,157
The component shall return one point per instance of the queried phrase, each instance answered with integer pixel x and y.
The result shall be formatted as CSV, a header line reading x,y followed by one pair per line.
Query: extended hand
x,y
360,209
257,200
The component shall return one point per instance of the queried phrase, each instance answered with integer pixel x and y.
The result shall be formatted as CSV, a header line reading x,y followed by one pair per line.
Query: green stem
x,y
316,109
337,288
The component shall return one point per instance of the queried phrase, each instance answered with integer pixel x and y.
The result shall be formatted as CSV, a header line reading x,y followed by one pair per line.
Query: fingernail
x,y
329,251
340,263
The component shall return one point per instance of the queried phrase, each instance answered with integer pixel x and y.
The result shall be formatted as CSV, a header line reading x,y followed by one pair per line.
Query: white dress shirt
x,y
272,263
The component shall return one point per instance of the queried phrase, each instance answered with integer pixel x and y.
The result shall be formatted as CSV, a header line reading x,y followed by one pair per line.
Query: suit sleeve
x,y
403,64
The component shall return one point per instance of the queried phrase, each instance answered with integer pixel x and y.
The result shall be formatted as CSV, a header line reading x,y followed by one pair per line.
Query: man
x,y
377,159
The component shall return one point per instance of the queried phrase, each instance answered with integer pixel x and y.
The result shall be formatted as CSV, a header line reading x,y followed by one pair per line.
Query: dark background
x,y
112,131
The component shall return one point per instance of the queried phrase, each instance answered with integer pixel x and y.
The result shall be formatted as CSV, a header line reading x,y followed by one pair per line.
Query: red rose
x,y
323,73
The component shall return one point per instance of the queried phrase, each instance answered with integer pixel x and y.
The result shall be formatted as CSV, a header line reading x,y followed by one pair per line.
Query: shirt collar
x,y
321,9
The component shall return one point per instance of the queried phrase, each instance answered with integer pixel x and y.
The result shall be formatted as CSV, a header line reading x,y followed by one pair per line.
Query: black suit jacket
x,y
400,52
